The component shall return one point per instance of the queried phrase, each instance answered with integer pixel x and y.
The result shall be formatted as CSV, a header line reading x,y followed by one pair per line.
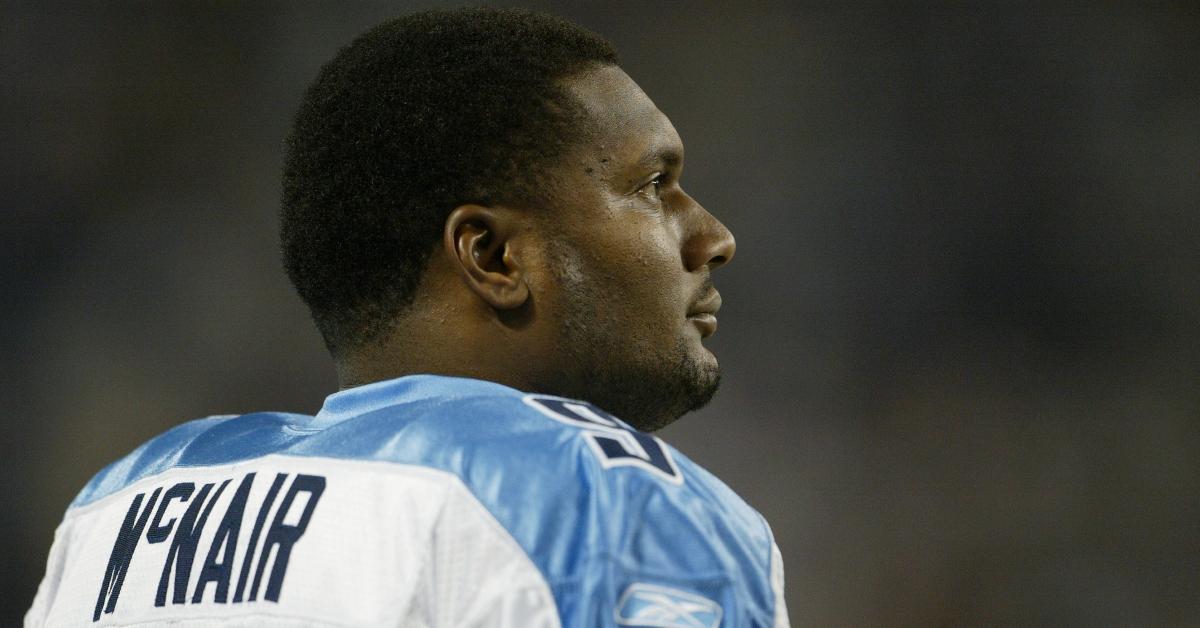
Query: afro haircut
x,y
415,117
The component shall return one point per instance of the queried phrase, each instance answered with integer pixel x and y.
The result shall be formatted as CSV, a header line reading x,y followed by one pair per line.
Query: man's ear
x,y
479,243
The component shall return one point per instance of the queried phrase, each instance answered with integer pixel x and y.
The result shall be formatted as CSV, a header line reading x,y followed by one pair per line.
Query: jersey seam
x,y
507,538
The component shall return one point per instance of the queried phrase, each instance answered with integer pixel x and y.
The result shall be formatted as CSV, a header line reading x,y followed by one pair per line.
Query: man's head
x,y
485,193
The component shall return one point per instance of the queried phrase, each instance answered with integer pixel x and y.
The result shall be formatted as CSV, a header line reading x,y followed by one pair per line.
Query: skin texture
x,y
605,296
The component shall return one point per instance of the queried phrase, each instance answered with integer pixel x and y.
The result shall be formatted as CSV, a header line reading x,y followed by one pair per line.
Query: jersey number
x,y
614,443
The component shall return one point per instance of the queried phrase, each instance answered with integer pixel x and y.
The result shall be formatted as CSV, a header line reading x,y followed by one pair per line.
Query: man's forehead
x,y
627,121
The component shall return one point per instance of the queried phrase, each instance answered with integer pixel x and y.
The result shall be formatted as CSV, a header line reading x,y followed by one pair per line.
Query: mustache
x,y
705,291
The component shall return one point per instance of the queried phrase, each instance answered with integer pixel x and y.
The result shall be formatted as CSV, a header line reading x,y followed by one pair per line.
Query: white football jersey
x,y
420,501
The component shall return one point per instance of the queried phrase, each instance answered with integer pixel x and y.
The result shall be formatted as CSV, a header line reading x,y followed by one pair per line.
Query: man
x,y
484,215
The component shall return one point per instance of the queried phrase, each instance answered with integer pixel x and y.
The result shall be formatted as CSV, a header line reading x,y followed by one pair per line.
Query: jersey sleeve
x,y
666,562
655,539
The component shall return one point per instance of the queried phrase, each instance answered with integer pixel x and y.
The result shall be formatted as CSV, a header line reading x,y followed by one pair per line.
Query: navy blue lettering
x,y
122,553
284,536
248,559
227,535
158,532
183,546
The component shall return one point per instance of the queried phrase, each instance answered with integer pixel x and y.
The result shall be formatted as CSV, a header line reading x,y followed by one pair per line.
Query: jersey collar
x,y
360,400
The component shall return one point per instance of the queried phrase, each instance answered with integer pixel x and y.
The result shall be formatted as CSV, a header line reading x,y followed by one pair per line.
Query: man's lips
x,y
703,314
706,323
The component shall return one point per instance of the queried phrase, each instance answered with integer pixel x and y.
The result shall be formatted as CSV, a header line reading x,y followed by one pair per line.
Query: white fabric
x,y
387,545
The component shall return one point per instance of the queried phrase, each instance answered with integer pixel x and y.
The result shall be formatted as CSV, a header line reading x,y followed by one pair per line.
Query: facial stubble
x,y
613,360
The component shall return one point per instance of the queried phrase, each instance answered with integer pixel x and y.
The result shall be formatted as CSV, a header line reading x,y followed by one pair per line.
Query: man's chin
x,y
688,389
705,387
648,394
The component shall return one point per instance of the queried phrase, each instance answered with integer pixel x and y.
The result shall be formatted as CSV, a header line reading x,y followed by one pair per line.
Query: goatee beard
x,y
647,398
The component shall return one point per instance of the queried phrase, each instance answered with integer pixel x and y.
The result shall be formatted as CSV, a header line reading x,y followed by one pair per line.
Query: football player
x,y
484,214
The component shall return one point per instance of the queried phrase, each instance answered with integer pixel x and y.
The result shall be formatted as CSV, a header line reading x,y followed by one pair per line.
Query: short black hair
x,y
413,118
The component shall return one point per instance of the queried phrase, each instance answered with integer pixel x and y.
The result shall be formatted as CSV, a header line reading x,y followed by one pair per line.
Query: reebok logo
x,y
653,605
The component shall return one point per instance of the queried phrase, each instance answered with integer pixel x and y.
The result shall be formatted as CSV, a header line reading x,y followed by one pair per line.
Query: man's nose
x,y
709,243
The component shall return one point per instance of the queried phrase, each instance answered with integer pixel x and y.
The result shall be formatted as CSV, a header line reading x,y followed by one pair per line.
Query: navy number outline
x,y
614,443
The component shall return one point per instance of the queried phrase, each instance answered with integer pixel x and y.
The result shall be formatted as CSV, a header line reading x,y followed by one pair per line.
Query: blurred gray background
x,y
961,334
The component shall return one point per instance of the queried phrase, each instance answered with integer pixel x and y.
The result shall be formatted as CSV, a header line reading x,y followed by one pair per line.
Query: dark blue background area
x,y
960,337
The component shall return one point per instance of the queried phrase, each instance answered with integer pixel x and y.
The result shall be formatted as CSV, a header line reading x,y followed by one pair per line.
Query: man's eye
x,y
654,186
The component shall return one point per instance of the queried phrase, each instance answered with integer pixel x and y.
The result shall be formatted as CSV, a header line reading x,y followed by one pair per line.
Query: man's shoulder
x,y
592,502
539,448
465,427
550,467
207,440
486,434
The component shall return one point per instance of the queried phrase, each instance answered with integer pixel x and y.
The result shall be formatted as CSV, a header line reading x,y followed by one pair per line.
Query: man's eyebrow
x,y
667,155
